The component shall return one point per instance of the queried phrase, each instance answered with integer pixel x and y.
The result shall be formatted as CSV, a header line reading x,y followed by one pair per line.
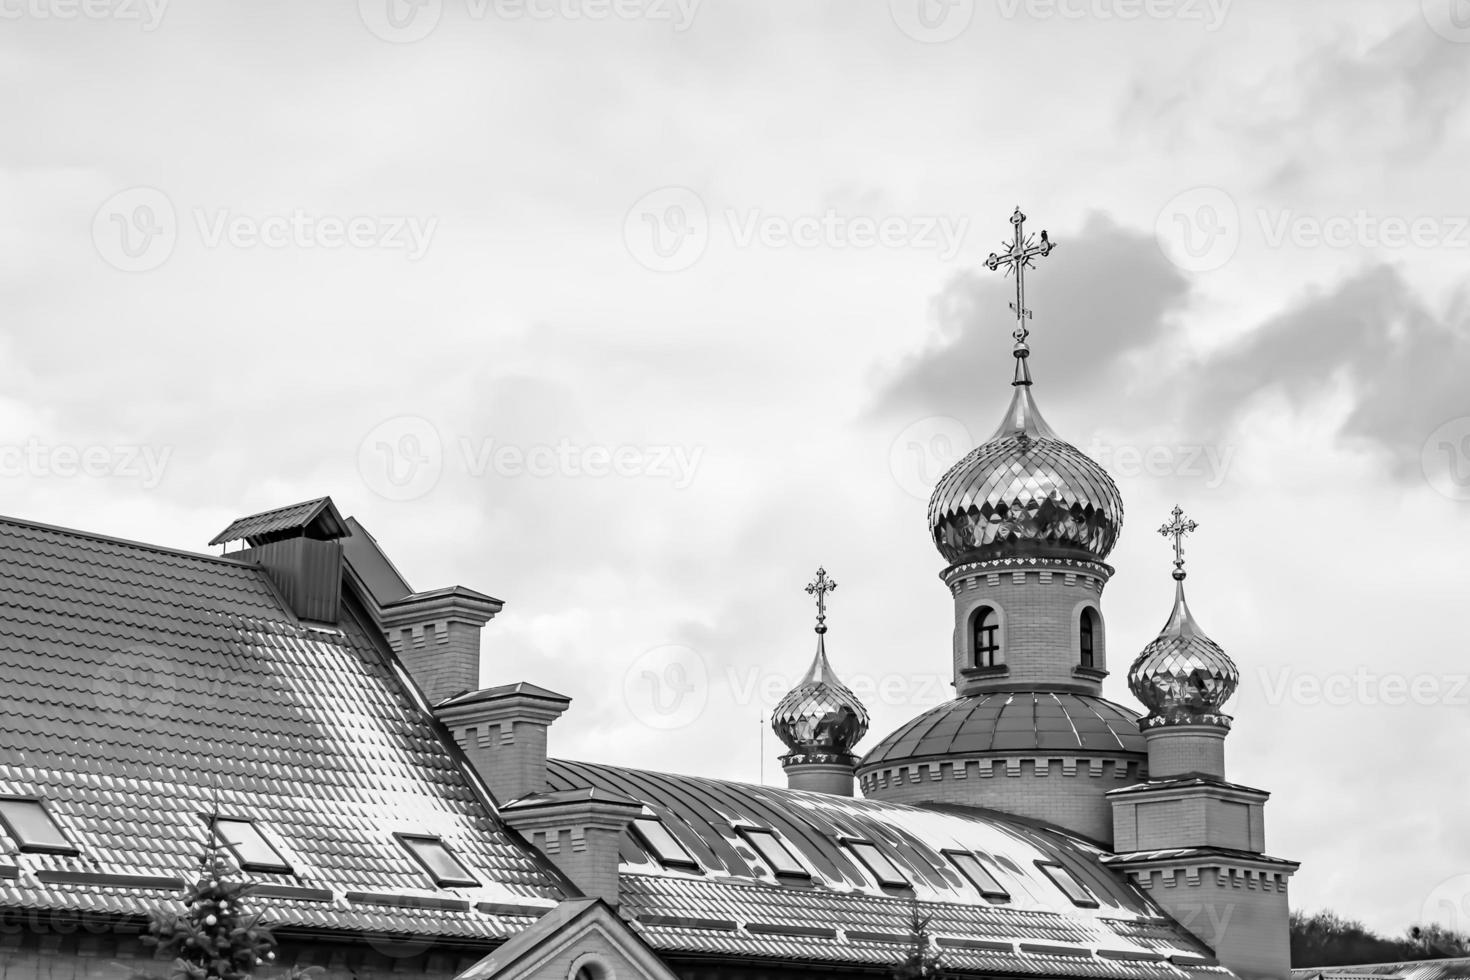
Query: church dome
x,y
820,719
1025,491
1183,676
1006,722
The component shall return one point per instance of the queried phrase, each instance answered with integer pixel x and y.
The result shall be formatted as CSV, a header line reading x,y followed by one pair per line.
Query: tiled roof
x,y
1456,968
732,906
1013,721
284,519
141,687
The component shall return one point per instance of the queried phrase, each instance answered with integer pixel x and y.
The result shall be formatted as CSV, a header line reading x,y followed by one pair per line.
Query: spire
x,y
1183,676
1019,256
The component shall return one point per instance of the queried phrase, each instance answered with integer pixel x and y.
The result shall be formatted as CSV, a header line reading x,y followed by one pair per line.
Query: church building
x,y
298,702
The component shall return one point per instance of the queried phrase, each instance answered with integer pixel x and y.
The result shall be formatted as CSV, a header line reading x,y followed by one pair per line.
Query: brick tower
x,y
1025,522
1193,840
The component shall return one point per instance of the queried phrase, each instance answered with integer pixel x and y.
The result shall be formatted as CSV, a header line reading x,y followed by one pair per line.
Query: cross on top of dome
x,y
819,587
1177,529
1019,256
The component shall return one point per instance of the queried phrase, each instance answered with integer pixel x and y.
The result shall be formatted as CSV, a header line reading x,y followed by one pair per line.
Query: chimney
x,y
300,548
579,831
437,637
503,732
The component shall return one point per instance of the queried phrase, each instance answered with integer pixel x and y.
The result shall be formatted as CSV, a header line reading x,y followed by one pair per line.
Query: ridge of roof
x,y
127,542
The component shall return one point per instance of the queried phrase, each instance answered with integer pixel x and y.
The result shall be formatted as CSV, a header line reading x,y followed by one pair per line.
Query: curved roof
x,y
1008,722
727,900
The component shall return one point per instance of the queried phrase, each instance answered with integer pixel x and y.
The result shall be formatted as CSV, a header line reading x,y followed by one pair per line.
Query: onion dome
x,y
1025,491
1183,677
820,719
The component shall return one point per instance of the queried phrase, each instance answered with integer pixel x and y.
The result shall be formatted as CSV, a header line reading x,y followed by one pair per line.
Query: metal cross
x,y
819,587
1177,529
1021,256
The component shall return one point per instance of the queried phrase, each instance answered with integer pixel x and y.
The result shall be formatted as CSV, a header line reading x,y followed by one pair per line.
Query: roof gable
x,y
142,688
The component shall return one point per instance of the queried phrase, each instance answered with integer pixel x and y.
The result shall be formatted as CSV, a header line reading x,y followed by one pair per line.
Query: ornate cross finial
x,y
819,587
1017,259
1177,529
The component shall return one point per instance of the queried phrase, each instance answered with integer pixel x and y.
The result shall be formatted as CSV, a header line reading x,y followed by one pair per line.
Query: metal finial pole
x,y
819,587
1020,256
1177,529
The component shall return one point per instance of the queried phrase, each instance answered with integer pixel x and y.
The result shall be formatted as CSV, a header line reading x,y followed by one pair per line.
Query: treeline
x,y
1328,939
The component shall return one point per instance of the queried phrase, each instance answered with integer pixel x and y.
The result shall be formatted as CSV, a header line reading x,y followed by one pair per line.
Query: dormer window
x,y
775,853
977,874
884,870
249,846
659,841
1067,882
32,827
439,861
1087,638
985,635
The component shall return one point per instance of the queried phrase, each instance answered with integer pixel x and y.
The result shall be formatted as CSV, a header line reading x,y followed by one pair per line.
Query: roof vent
x,y
301,550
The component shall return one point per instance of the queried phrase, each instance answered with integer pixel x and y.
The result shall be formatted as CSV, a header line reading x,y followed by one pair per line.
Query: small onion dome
x,y
1183,677
1025,491
820,719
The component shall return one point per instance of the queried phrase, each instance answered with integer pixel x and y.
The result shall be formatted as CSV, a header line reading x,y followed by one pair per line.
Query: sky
x,y
634,312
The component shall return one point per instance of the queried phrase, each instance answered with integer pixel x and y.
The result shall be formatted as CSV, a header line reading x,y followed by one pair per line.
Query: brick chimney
x,y
579,831
437,636
503,732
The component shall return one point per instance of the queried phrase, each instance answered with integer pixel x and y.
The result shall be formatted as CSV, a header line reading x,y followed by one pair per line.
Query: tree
x,y
923,961
215,938
1328,939
1436,940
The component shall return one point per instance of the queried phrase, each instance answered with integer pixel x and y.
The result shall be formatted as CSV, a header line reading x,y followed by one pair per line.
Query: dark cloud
x,y
1408,369
1111,294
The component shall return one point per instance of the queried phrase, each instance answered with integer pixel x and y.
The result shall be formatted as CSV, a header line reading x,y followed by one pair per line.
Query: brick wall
x,y
1243,916
1040,614
1069,792
443,656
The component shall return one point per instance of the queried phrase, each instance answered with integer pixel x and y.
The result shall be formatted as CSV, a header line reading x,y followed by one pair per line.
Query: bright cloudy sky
x,y
441,260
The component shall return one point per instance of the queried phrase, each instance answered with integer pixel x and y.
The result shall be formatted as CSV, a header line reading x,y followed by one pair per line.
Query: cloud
x,y
1112,297
1405,366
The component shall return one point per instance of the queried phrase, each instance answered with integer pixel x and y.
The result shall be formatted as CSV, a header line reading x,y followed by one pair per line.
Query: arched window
x,y
1088,636
985,633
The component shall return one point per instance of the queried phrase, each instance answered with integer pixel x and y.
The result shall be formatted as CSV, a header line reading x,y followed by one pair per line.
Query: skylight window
x,y
1070,886
32,829
662,844
775,853
883,869
439,861
248,844
975,871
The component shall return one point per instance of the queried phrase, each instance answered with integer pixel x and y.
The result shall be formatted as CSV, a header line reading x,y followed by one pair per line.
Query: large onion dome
x,y
820,719
1025,491
1183,677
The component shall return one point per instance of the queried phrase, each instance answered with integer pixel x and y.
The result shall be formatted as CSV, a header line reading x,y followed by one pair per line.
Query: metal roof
x,y
731,905
1456,968
143,688
1013,722
289,518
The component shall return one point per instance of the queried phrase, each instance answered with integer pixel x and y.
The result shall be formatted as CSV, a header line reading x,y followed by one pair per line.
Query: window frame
x,y
1087,638
1061,877
992,653
750,836
282,865
998,892
855,846
66,848
468,881
684,863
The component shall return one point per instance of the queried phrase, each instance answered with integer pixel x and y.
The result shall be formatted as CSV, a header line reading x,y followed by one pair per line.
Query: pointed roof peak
x,y
1023,419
